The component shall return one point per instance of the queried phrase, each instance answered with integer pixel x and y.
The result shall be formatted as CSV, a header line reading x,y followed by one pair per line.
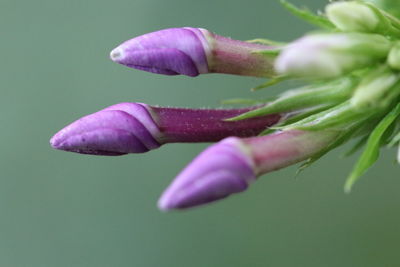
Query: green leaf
x,y
371,152
339,141
308,16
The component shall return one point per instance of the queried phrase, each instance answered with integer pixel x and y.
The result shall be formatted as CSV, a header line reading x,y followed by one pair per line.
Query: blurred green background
x,y
63,209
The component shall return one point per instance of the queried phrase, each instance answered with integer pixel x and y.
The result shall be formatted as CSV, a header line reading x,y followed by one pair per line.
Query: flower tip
x,y
91,143
165,205
55,142
116,54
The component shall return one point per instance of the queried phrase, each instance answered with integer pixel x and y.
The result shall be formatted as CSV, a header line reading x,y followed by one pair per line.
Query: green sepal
x,y
308,96
389,25
394,21
294,117
390,6
340,116
341,139
308,16
347,134
269,52
371,152
264,41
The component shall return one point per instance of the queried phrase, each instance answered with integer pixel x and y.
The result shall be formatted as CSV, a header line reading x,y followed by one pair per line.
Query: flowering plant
x,y
351,67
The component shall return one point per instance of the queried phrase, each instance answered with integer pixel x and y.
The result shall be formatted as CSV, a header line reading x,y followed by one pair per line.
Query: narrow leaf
x,y
371,152
308,16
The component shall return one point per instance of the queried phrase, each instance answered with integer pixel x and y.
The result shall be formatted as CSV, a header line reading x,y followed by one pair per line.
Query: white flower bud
x,y
331,55
353,16
375,89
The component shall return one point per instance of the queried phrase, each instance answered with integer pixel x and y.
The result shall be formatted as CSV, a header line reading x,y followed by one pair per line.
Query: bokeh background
x,y
63,209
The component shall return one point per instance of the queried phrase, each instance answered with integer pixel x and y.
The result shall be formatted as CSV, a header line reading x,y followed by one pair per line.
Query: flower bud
x,y
229,166
192,51
116,130
394,57
376,90
391,6
221,170
353,16
331,55
137,128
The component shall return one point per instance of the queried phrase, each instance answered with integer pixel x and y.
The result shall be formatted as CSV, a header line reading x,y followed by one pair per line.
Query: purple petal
x,y
170,51
221,170
108,132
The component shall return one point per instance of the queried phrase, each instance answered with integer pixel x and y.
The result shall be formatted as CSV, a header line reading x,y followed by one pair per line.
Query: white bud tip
x,y
116,54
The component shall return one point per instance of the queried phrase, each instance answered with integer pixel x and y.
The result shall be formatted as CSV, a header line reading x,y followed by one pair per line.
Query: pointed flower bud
x,y
116,130
137,128
231,165
221,170
192,51
331,55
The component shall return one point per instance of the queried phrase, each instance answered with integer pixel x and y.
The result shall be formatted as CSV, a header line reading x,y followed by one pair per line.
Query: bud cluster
x,y
352,68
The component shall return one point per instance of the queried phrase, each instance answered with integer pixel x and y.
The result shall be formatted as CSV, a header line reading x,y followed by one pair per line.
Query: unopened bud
x,y
331,55
376,89
353,16
193,51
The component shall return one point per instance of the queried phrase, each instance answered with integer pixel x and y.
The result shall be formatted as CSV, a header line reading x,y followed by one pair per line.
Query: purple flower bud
x,y
221,170
137,128
117,130
229,166
192,51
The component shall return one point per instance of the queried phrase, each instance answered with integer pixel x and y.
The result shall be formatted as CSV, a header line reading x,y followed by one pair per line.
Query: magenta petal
x,y
108,142
169,61
107,132
219,171
170,52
